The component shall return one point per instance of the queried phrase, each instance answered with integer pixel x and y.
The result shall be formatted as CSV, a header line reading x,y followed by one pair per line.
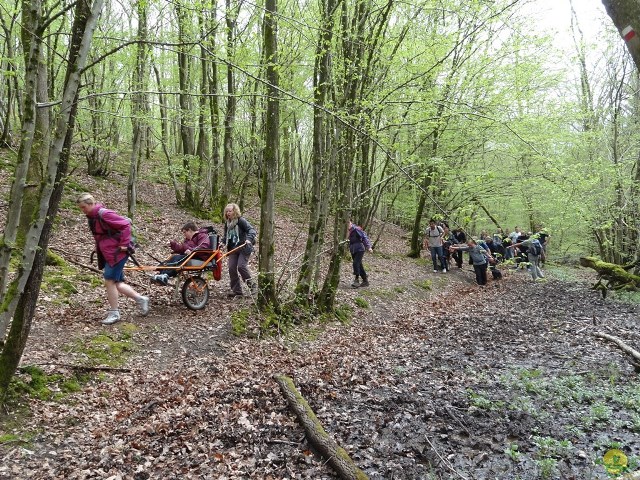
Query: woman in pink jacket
x,y
112,234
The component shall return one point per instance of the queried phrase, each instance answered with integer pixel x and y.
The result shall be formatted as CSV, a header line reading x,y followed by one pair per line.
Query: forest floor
x,y
432,376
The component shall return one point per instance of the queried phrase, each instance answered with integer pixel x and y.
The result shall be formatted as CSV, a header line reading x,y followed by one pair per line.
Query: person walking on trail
x,y
434,242
460,239
112,234
194,239
448,239
238,232
513,236
358,243
480,256
533,249
543,236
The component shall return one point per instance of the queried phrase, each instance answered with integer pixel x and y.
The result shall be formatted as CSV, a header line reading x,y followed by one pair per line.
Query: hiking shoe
x,y
143,304
365,283
161,278
355,283
112,317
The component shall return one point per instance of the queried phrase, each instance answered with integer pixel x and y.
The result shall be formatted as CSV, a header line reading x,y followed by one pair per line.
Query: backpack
x,y
214,238
439,231
111,233
495,273
364,238
535,248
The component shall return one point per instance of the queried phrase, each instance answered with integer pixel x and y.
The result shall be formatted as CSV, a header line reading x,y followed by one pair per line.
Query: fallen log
x,y
337,456
616,276
624,347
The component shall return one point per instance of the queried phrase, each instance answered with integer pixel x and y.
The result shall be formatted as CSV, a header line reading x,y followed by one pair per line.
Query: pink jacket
x,y
110,233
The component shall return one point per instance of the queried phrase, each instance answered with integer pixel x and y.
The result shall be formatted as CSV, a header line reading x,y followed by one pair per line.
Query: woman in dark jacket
x,y
358,243
238,231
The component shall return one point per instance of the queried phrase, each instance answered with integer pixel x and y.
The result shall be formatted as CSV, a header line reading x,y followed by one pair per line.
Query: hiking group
x,y
114,245
517,248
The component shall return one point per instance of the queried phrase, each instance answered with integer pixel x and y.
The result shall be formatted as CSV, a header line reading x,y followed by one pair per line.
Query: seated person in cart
x,y
194,239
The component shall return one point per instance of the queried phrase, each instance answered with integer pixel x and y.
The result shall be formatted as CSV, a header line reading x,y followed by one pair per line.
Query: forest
x,y
308,115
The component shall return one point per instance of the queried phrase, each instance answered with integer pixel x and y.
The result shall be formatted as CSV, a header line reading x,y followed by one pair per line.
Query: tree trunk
x,y
230,115
9,238
321,88
8,94
164,135
19,304
615,275
416,231
138,107
266,264
214,107
626,17
187,133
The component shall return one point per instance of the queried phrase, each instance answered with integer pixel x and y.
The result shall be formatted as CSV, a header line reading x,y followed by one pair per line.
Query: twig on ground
x,y
75,262
86,367
443,460
624,347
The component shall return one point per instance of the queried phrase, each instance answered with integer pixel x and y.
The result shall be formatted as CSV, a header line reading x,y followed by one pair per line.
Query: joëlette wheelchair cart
x,y
190,271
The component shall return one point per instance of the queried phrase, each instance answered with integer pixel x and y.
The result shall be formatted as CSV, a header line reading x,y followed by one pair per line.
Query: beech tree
x,y
625,15
266,263
18,302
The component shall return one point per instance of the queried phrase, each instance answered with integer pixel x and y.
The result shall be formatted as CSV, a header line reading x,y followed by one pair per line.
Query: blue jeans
x,y
173,261
437,252
508,253
534,260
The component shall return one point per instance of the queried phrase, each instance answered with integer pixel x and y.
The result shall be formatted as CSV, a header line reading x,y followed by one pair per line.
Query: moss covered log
x,y
616,276
336,456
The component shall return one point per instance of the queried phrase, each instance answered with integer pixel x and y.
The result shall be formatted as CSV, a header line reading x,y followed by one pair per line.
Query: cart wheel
x,y
195,293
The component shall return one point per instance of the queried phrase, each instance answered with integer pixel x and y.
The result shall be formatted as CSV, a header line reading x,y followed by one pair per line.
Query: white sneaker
x,y
444,270
161,278
143,304
112,317
435,271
